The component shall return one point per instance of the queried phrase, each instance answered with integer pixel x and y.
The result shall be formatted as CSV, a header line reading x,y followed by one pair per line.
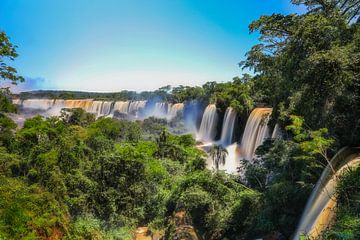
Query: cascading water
x,y
175,110
135,107
256,131
191,115
232,160
160,110
276,134
320,208
42,104
209,120
121,106
228,127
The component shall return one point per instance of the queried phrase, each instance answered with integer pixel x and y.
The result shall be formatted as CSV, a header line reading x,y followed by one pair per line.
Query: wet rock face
x,y
183,230
143,233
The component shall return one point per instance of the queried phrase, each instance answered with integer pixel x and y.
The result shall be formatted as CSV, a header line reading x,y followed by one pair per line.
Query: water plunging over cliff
x,y
121,107
256,131
209,120
277,133
228,127
320,208
175,110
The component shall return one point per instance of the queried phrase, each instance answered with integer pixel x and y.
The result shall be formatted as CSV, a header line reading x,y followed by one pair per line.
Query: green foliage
x,y
219,207
307,64
218,154
29,212
8,52
77,116
5,101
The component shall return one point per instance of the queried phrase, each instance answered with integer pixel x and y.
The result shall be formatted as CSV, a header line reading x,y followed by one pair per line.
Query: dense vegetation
x,y
100,178
77,177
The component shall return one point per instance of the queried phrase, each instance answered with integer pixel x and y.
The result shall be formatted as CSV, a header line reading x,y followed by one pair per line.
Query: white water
x,y
320,208
175,110
160,110
256,131
276,134
232,160
228,127
121,106
209,120
52,107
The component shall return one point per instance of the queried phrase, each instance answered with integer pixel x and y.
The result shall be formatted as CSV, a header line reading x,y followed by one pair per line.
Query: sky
x,y
112,45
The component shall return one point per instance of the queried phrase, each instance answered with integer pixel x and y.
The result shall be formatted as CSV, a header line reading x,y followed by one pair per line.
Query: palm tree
x,y
218,154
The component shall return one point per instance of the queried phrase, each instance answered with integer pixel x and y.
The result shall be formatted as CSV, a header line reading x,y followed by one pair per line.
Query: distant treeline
x,y
62,94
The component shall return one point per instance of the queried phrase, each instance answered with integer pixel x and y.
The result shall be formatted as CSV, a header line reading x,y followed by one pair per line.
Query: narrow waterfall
x,y
228,127
256,131
276,134
209,120
320,208
175,110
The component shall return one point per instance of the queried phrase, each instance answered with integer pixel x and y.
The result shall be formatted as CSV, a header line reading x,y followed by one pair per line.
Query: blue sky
x,y
111,45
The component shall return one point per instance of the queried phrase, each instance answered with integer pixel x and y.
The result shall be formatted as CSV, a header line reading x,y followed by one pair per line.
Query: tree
x,y
8,52
218,154
311,142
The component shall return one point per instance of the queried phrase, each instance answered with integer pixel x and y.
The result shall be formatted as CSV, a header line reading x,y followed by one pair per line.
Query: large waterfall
x,y
228,127
136,109
209,120
256,131
320,208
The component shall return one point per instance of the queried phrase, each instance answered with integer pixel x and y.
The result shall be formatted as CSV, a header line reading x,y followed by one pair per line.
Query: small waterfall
x,y
256,131
320,208
209,120
228,127
276,134
175,110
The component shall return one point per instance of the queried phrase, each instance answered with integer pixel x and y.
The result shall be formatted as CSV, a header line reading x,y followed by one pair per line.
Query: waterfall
x,y
41,104
228,127
160,110
175,110
320,208
276,134
256,131
209,120
135,107
232,160
191,115
121,106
